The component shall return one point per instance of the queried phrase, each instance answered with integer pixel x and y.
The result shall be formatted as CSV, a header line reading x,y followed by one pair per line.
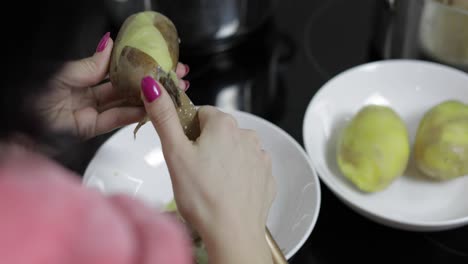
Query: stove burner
x,y
452,242
308,32
248,77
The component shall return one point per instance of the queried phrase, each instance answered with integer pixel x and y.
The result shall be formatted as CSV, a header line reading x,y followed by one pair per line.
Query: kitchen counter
x,y
275,74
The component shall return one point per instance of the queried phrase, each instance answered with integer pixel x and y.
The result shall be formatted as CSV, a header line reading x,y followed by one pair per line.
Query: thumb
x,y
92,70
162,113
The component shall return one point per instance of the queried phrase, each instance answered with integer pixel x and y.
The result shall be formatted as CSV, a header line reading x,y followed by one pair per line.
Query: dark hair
x,y
35,43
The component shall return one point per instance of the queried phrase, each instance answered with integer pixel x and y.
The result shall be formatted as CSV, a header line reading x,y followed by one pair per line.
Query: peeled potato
x,y
148,45
374,148
441,145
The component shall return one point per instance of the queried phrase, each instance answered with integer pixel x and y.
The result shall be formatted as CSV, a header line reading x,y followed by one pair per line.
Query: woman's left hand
x,y
80,102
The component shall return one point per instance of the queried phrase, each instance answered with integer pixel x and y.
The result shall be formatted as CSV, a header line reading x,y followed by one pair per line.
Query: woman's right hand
x,y
223,183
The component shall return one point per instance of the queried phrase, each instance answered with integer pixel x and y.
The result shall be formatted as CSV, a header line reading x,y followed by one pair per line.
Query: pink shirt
x,y
48,217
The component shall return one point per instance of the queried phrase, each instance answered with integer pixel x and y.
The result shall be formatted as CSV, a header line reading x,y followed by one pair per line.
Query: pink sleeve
x,y
47,217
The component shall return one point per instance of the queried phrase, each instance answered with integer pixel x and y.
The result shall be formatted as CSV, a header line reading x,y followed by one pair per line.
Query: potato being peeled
x,y
148,45
441,145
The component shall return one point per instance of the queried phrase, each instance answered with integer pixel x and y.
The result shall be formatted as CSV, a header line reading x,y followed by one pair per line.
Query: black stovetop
x,y
274,74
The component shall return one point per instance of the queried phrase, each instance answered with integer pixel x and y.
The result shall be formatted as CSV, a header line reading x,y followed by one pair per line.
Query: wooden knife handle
x,y
278,257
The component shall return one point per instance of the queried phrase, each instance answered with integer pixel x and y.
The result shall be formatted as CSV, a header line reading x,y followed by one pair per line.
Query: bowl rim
x,y
395,222
304,154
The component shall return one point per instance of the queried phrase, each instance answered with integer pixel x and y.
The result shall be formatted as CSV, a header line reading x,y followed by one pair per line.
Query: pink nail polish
x,y
150,89
187,68
187,85
103,42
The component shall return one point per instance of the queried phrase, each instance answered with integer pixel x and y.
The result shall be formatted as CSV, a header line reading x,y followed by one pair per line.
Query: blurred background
x,y
270,57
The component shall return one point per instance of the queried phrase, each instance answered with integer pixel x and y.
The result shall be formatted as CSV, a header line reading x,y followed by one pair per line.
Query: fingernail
x,y
187,68
150,89
187,85
103,42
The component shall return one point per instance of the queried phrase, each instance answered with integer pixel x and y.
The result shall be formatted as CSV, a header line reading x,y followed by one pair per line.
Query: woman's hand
x,y
80,101
223,182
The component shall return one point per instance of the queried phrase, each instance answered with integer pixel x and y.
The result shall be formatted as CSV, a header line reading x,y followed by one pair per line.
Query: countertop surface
x,y
304,45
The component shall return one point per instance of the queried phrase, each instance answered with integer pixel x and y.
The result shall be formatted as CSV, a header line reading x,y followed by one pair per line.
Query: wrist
x,y
231,244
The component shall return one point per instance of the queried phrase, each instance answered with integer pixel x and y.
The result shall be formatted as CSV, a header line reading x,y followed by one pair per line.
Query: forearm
x,y
229,247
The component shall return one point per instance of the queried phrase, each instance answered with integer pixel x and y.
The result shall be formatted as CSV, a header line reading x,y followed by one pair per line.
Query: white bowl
x,y
137,167
410,87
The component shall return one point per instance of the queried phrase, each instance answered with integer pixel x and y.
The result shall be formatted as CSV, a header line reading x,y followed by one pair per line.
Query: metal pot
x,y
434,30
207,26
204,26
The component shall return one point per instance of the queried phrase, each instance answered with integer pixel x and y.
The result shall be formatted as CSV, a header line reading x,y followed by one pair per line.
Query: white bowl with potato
x,y
137,167
425,188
